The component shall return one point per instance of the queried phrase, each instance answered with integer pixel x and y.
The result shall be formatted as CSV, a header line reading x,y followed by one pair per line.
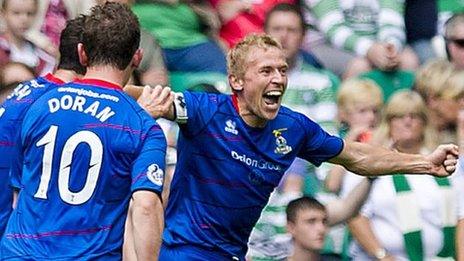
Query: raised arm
x,y
147,224
341,210
157,101
368,160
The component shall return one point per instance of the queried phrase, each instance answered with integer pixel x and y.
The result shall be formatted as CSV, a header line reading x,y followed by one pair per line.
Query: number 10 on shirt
x,y
96,155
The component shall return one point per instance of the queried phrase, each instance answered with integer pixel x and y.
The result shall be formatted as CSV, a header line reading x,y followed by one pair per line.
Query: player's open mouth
x,y
272,97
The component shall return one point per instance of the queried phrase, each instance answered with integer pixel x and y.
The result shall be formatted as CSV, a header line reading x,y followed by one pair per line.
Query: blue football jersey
x,y
226,170
86,147
11,116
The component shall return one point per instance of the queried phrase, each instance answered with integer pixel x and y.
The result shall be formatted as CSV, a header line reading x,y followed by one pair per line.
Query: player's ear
x,y
82,55
137,58
235,83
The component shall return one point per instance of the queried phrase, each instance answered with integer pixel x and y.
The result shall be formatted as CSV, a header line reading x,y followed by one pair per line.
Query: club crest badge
x,y
155,174
281,142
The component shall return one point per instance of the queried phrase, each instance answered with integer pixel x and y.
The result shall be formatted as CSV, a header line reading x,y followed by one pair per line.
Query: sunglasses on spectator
x,y
458,42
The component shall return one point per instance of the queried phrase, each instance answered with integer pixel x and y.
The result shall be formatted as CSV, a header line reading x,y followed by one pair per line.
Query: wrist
x,y
380,253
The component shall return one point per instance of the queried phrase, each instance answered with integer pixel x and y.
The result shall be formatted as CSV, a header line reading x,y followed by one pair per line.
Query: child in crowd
x,y
359,104
19,16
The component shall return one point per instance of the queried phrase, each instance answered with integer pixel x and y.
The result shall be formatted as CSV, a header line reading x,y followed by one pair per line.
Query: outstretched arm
x,y
157,101
342,209
368,160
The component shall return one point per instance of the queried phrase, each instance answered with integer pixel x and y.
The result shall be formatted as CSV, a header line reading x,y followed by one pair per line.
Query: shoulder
x,y
287,114
28,91
205,99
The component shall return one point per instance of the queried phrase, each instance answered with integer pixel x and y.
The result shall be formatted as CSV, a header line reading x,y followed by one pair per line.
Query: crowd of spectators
x,y
347,58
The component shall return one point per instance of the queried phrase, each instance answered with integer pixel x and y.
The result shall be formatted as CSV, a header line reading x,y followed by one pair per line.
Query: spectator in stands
x,y
454,36
360,35
186,32
406,217
446,9
420,31
51,19
14,72
359,103
307,223
18,16
431,83
152,70
240,18
269,239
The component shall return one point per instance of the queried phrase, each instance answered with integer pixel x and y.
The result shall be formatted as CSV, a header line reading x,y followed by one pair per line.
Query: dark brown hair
x,y
111,35
285,7
71,35
302,203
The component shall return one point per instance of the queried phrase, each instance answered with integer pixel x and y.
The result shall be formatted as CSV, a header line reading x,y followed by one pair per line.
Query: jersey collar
x,y
99,83
235,102
52,78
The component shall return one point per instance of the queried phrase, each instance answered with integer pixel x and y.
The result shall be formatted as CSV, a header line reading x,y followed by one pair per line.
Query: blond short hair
x,y
237,56
454,87
400,104
358,91
431,78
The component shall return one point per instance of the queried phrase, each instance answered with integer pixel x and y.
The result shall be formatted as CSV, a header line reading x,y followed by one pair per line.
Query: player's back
x,y
11,116
80,143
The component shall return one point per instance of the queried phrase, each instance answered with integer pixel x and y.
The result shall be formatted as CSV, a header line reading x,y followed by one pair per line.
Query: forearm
x,y
460,240
361,230
334,179
343,209
368,160
128,251
147,228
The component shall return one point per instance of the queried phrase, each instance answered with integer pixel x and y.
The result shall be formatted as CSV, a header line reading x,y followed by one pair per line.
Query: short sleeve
x,y
200,108
319,145
148,168
16,166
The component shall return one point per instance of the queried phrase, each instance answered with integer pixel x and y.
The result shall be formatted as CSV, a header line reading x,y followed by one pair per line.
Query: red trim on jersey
x,y
52,78
100,83
235,102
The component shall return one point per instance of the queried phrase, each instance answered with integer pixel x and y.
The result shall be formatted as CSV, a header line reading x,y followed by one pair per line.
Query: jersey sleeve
x,y
198,108
16,166
148,168
319,146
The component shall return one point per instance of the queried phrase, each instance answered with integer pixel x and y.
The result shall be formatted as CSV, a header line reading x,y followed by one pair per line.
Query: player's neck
x,y
65,75
108,74
250,118
301,254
